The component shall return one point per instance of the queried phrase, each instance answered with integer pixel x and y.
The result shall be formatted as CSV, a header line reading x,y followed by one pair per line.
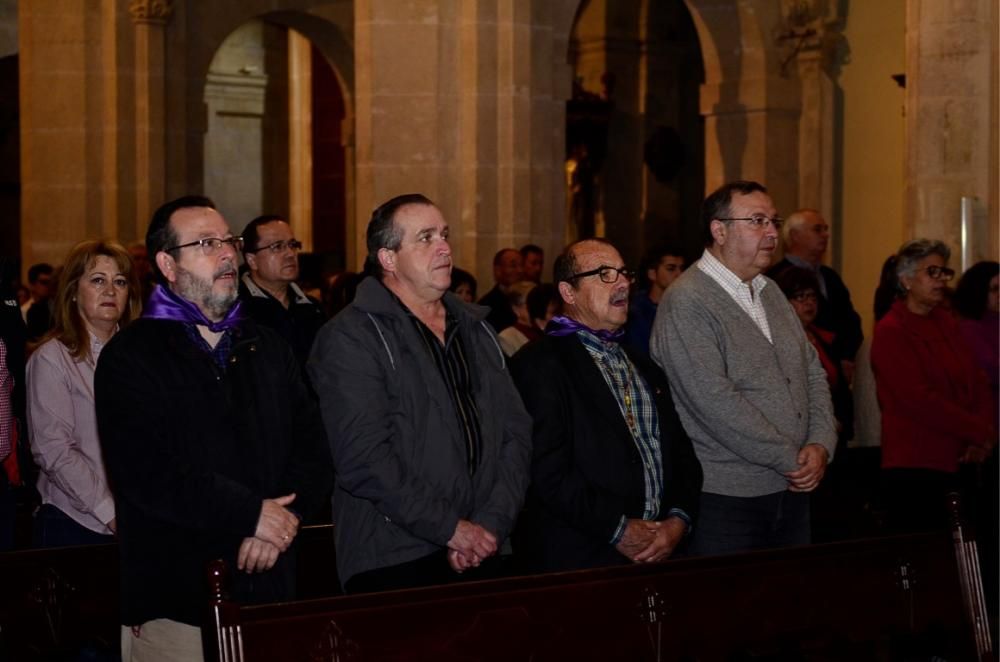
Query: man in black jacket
x,y
213,446
614,478
805,236
268,290
429,436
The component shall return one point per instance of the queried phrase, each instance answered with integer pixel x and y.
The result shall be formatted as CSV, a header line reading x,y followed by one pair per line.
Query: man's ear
x,y
567,293
251,260
718,229
167,266
387,259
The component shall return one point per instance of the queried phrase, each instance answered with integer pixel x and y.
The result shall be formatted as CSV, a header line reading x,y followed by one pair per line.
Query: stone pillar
x,y
951,121
300,173
150,18
751,110
463,111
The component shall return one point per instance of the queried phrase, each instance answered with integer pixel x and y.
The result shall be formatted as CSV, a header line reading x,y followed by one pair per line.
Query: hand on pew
x,y
668,534
255,555
277,525
812,461
473,541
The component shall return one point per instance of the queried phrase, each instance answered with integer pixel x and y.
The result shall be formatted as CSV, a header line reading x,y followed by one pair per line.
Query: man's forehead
x,y
590,255
198,221
274,229
414,219
754,202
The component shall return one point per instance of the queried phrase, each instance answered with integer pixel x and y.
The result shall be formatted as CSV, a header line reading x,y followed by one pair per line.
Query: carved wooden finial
x,y
150,11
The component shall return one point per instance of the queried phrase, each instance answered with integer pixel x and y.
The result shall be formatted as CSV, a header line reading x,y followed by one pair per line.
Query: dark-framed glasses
x,y
211,245
280,246
759,221
805,295
939,273
607,274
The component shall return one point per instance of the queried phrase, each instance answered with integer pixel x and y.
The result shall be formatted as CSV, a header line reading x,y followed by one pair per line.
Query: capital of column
x,y
150,11
811,30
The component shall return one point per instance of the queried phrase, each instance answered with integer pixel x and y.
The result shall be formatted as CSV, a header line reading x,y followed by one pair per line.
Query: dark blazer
x,y
192,451
586,471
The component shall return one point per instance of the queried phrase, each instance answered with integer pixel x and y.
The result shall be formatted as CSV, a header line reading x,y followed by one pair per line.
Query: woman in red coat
x,y
936,408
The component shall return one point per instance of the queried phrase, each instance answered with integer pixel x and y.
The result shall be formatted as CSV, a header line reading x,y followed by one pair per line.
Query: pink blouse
x,y
62,426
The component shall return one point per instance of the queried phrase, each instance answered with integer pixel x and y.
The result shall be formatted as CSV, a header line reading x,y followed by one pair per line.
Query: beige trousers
x,y
162,640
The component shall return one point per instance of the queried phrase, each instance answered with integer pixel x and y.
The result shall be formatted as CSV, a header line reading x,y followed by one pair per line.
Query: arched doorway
x,y
634,134
277,135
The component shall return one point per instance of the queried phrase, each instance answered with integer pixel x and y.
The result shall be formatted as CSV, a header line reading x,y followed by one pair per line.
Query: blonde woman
x,y
97,293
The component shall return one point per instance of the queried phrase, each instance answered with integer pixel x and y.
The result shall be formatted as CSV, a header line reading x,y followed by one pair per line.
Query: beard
x,y
199,291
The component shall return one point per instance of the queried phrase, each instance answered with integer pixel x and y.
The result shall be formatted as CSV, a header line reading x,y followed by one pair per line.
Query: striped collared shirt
x,y
451,362
638,408
747,295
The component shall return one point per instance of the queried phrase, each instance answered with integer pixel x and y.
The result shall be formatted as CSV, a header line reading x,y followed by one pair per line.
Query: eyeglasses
x,y
280,246
759,221
939,273
805,295
607,274
211,245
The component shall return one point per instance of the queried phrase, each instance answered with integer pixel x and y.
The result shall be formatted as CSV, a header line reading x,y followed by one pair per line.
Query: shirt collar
x,y
712,266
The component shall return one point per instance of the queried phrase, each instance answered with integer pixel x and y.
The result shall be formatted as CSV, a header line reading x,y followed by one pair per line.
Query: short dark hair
x,y
40,269
566,265
460,276
498,257
527,249
382,231
794,280
973,289
717,204
540,298
250,234
654,256
161,235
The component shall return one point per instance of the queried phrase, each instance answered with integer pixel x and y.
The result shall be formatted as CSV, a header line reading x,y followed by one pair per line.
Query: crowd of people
x,y
192,408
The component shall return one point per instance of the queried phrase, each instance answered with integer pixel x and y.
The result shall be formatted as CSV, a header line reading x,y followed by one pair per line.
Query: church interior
x,y
526,122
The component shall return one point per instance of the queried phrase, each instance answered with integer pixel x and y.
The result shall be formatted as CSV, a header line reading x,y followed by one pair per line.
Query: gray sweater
x,y
748,405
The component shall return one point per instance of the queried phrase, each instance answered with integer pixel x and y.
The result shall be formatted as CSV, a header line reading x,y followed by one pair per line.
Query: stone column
x,y
462,111
150,18
951,121
300,144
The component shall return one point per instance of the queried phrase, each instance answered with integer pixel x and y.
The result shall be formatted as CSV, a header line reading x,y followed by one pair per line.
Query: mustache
x,y
224,270
619,297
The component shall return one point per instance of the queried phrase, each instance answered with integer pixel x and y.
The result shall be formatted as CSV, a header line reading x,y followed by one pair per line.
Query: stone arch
x,y
195,34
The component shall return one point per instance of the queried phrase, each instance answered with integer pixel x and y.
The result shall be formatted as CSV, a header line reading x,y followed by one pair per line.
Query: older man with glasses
x,y
614,479
213,446
268,290
749,387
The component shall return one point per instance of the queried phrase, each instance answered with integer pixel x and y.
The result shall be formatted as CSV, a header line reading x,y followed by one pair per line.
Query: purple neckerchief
x,y
561,325
163,304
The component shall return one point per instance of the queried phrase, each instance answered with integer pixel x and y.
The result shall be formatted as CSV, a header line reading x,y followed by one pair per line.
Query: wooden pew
x,y
63,603
876,599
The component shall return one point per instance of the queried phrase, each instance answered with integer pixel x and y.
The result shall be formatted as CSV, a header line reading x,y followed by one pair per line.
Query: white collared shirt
x,y
747,295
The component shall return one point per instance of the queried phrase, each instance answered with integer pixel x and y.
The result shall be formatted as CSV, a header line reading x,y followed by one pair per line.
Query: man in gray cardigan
x,y
749,388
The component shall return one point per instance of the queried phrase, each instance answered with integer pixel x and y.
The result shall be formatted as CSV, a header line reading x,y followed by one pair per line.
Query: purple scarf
x,y
561,325
163,304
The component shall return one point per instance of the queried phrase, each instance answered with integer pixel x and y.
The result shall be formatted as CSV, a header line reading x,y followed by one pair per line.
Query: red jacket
x,y
935,400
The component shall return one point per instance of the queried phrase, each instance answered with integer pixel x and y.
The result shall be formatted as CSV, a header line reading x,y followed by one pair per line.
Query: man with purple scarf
x,y
614,478
213,446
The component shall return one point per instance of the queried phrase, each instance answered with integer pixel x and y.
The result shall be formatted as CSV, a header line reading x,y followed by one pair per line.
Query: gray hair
x,y
912,252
